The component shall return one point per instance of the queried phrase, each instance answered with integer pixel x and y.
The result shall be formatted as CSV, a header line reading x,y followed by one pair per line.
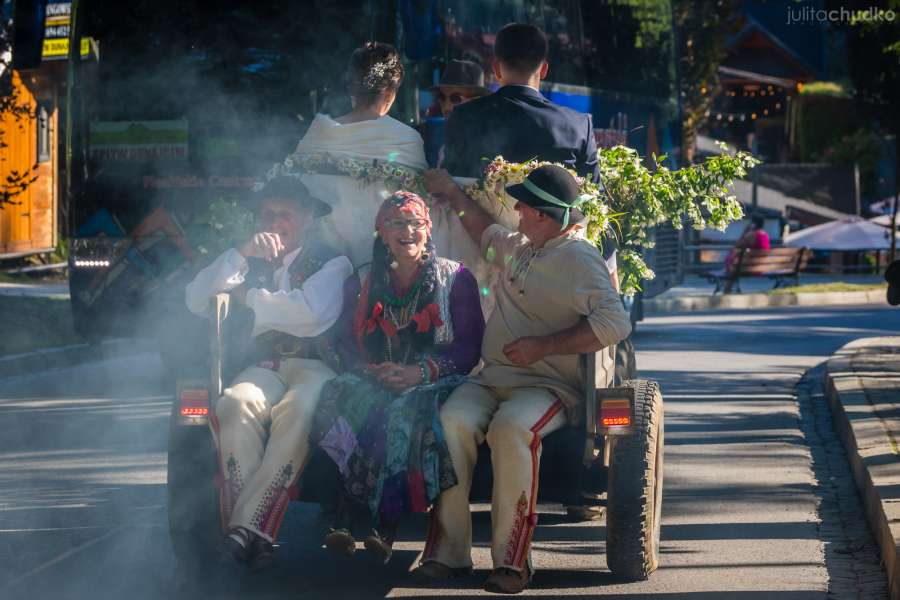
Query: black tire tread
x,y
193,511
631,551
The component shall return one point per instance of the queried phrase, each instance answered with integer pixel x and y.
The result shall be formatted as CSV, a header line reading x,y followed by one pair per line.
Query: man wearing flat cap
x,y
293,288
555,300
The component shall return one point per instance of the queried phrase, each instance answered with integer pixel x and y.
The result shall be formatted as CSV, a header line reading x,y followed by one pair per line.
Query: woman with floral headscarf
x,y
417,332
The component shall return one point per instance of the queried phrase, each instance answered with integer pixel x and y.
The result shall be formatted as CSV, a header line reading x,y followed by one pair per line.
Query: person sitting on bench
x,y
755,238
556,301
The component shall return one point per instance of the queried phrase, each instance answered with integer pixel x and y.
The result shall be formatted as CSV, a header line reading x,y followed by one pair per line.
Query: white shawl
x,y
376,139
350,226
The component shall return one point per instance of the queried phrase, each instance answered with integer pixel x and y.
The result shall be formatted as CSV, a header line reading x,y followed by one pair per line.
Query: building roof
x,y
755,48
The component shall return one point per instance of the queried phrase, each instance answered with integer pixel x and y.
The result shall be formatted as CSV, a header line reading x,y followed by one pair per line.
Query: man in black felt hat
x,y
293,287
461,81
555,300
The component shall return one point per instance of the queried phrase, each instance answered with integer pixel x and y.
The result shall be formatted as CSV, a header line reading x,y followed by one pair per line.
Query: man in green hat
x,y
555,300
293,286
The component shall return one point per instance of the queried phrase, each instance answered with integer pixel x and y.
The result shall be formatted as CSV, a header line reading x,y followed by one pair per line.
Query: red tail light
x,y
194,402
615,413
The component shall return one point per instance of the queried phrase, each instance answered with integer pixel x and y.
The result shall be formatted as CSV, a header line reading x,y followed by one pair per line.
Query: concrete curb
x,y
66,356
657,306
869,451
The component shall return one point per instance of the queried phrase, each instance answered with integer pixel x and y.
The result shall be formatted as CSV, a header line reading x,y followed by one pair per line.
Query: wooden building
x,y
31,145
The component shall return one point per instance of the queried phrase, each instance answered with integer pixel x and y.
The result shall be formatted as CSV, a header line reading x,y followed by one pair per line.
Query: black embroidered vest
x,y
276,345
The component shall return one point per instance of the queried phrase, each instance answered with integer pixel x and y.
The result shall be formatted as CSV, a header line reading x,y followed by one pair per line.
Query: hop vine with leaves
x,y
632,199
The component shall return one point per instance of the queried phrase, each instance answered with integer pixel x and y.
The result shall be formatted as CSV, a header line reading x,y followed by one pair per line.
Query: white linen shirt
x,y
303,312
543,291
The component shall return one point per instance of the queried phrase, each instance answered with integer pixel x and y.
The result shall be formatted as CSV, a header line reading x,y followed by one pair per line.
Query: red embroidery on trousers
x,y
273,518
518,530
269,515
526,518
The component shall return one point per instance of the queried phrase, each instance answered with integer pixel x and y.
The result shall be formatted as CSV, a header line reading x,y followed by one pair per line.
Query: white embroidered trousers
x,y
262,430
512,421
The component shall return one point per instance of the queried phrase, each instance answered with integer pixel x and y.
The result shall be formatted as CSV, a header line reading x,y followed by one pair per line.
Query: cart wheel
x,y
192,496
634,498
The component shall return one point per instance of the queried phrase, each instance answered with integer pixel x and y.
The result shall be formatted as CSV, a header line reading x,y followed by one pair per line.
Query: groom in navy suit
x,y
517,121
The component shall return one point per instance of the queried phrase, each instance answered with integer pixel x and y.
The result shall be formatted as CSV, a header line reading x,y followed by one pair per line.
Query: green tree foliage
x,y
699,195
702,28
639,34
873,47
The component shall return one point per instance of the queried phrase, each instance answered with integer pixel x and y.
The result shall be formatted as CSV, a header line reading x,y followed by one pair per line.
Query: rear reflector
x,y
194,402
615,413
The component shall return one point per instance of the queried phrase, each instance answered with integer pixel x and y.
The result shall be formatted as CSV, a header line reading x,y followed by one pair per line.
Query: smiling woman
x,y
417,332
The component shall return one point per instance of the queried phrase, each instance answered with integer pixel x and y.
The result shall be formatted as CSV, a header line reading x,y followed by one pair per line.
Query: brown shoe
x,y
432,572
235,544
260,554
378,547
340,543
503,580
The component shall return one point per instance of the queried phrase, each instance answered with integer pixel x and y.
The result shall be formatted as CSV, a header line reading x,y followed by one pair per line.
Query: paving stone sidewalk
x,y
695,293
863,385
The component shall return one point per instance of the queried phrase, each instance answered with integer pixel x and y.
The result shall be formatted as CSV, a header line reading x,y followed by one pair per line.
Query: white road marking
x,y
70,552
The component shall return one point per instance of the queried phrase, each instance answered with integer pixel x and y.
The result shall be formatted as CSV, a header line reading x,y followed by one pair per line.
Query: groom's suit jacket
x,y
520,123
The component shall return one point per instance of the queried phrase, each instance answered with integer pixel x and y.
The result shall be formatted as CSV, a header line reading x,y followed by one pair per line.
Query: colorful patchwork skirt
x,y
389,448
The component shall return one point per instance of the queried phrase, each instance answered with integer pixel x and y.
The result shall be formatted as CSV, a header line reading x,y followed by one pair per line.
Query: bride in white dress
x,y
354,161
336,153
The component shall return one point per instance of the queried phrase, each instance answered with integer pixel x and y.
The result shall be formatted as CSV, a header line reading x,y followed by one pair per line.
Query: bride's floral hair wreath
x,y
374,68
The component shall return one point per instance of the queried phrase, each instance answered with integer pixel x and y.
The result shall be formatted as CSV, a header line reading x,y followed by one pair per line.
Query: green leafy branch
x,y
699,194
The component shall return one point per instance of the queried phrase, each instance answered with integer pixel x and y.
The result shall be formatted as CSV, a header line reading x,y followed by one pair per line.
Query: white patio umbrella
x,y
852,233
883,206
884,220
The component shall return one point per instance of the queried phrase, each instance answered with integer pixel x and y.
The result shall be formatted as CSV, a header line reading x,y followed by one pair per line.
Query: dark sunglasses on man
x,y
454,98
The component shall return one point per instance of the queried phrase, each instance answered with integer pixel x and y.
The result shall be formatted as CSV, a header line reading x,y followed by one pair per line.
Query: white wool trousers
x,y
512,421
261,426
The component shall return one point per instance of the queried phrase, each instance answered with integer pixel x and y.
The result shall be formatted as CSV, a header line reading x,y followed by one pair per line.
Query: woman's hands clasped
x,y
395,377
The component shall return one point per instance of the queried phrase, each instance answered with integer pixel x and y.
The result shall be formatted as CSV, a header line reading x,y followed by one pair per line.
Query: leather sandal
x,y
504,580
340,543
433,571
378,547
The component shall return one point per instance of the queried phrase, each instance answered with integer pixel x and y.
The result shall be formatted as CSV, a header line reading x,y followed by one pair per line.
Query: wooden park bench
x,y
782,264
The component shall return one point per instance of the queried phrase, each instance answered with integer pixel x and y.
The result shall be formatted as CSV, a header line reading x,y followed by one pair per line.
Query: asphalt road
x,y
82,482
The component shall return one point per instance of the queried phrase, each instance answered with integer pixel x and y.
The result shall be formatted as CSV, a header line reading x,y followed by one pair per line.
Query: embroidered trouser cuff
x,y
262,433
513,421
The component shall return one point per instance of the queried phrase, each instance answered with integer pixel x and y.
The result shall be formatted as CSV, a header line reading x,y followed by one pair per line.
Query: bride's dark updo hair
x,y
374,68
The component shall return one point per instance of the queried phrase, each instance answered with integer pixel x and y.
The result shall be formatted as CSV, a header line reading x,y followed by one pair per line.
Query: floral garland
x,y
500,173
394,176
